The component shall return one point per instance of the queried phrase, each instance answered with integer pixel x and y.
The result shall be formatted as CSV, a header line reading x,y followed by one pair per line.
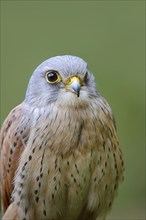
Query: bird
x,y
60,157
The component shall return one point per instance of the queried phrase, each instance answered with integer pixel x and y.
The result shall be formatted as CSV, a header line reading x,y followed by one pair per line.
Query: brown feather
x,y
10,152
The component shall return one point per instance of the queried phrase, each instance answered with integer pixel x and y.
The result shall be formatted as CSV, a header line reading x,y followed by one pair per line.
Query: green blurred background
x,y
110,36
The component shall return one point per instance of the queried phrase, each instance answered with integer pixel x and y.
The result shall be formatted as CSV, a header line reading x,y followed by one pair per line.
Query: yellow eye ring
x,y
53,76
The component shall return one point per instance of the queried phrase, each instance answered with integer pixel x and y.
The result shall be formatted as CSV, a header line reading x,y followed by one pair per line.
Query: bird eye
x,y
53,76
86,76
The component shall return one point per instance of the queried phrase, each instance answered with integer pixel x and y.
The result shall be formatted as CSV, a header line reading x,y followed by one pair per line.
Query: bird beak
x,y
74,85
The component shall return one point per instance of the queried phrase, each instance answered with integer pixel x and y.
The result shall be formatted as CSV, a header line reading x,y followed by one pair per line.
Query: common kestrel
x,y
60,155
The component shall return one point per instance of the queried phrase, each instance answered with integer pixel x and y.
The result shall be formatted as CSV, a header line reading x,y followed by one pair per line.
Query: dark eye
x,y
53,76
86,77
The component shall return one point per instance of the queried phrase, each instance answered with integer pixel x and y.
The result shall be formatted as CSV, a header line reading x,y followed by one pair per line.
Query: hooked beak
x,y
74,85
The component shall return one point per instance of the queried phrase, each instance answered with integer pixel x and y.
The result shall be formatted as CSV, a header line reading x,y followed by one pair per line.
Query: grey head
x,y
65,79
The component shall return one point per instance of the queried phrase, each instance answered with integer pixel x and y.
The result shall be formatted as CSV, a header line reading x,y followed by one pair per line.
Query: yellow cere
x,y
70,80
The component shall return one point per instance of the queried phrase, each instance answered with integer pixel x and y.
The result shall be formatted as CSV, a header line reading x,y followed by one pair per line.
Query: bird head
x,y
65,79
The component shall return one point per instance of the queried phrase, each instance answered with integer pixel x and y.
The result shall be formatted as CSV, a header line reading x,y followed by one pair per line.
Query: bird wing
x,y
13,138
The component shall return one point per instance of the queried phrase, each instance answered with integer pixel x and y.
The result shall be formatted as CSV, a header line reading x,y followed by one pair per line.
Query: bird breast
x,y
67,165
